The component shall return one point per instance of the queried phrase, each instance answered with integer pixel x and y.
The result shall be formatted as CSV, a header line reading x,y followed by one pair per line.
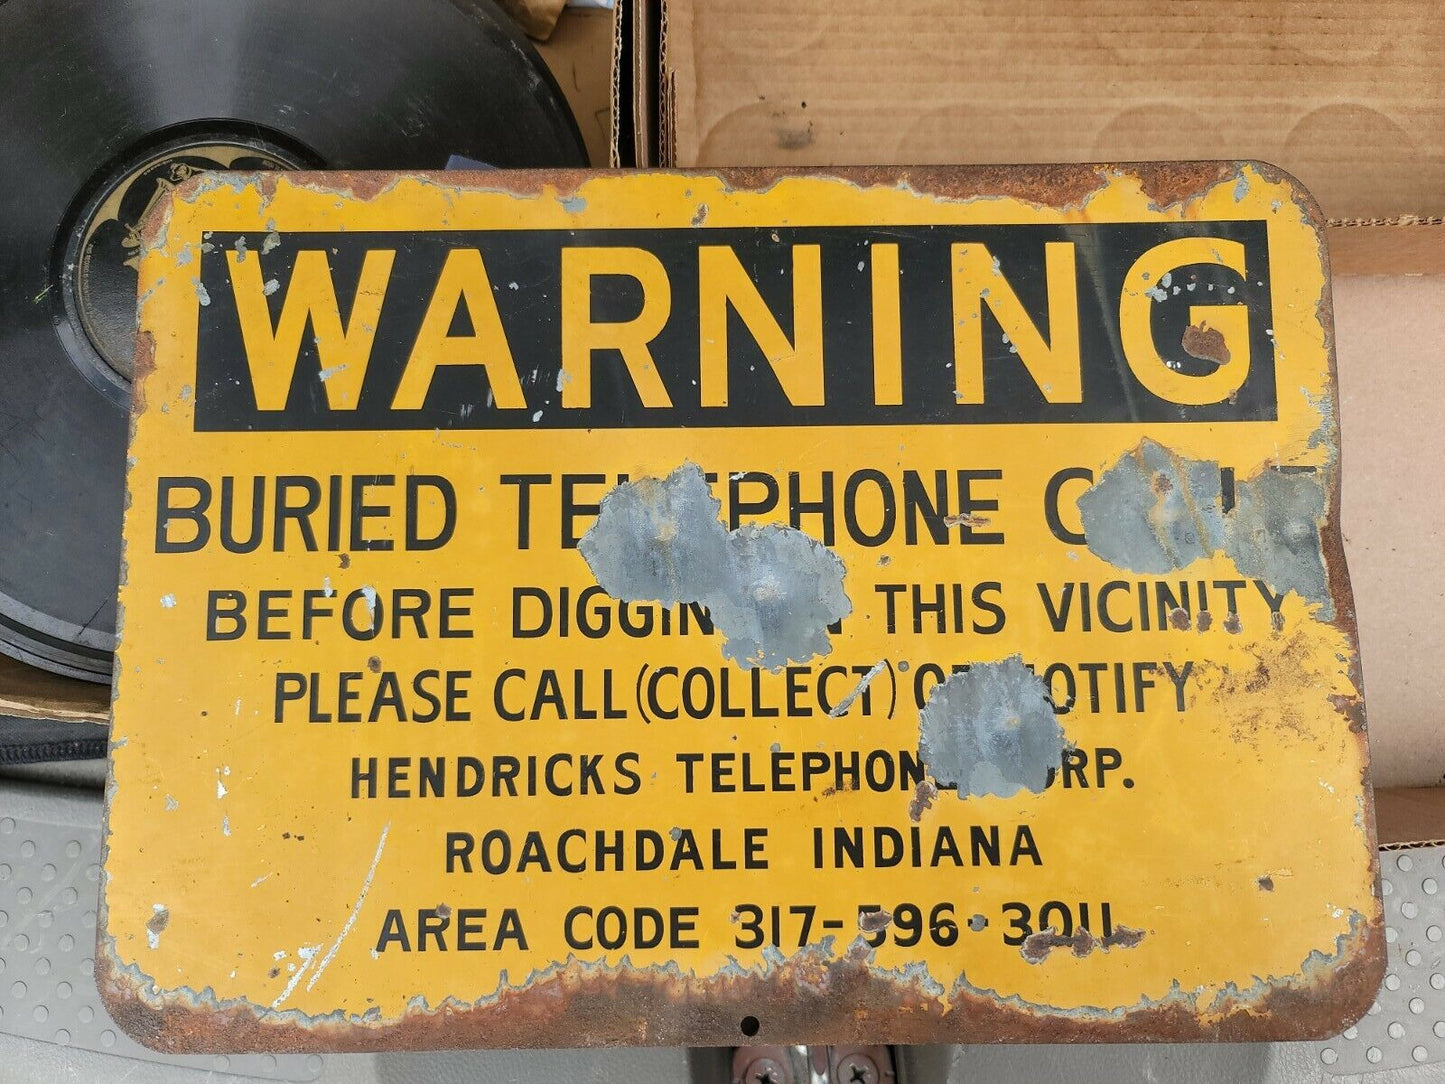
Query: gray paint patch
x,y
1155,511
659,540
1277,534
991,730
772,591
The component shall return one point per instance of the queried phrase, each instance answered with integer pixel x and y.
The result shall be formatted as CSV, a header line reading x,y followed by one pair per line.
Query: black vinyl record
x,y
105,105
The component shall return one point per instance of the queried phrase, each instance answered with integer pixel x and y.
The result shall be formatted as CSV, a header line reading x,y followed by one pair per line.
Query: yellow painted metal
x,y
239,863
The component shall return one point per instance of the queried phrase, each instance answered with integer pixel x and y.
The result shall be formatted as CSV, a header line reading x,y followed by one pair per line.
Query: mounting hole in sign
x,y
750,1026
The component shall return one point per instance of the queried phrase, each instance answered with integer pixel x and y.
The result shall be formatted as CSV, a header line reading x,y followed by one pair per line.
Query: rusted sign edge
x,y
807,998
814,995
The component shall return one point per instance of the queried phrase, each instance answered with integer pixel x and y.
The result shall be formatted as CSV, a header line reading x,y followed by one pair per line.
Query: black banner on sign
x,y
606,329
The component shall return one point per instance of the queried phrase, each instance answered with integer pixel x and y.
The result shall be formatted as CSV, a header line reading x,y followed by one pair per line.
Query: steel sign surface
x,y
662,608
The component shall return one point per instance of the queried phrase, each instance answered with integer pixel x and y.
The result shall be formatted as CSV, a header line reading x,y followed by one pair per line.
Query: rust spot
x,y
1206,343
1266,883
444,910
344,560
1233,625
267,183
1062,186
1161,484
275,972
875,921
1123,937
1352,708
1068,185
361,186
158,922
1205,621
809,999
374,664
1276,622
1081,942
701,216
966,519
1037,946
1179,619
923,796
1258,680
1276,682
1174,182
144,365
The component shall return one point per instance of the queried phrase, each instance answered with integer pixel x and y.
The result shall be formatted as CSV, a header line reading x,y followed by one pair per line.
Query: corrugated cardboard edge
x,y
644,40
1399,246
671,18
30,693
1410,816
617,83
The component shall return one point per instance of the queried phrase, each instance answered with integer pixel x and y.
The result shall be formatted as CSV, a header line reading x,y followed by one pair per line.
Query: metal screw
x,y
764,1071
857,1069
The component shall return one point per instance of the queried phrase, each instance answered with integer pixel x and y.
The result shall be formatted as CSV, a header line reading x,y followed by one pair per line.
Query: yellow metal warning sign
x,y
666,608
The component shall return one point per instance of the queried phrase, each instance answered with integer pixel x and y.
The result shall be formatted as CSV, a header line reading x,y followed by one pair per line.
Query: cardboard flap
x,y
1350,98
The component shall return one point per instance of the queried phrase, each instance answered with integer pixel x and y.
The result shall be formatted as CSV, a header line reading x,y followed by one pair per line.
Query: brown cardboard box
x,y
1390,341
581,54
29,693
1410,816
1348,96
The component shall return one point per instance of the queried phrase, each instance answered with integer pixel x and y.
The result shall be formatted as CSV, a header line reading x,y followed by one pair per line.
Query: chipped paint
x,y
1156,511
924,795
156,925
842,707
773,591
991,730
875,921
355,911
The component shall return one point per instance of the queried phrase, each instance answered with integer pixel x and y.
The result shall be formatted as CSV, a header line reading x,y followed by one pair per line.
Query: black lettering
x,y
195,513
415,483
